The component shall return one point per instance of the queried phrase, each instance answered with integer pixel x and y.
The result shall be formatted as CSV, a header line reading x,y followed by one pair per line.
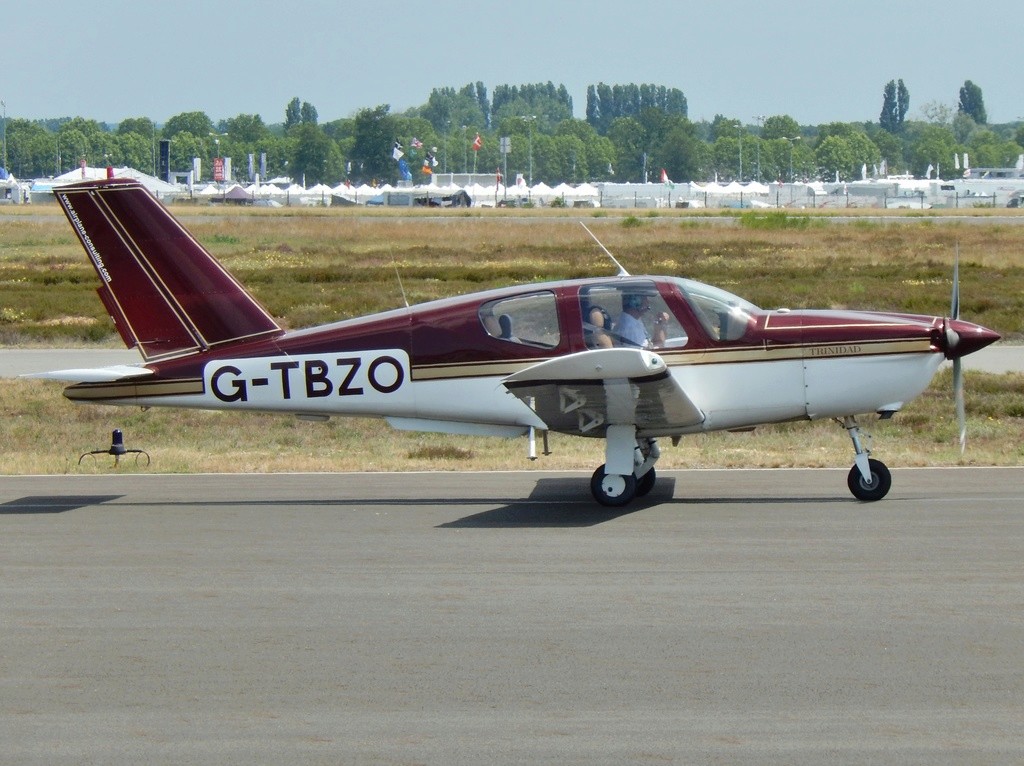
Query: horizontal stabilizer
x,y
93,375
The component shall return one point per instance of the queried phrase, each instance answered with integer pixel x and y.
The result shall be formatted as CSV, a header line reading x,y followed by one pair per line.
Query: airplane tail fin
x,y
166,294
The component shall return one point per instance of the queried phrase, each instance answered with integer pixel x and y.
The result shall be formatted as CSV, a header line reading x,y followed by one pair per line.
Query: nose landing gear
x,y
869,479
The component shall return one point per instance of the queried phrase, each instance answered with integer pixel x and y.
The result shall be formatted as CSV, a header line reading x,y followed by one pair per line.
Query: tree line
x,y
629,134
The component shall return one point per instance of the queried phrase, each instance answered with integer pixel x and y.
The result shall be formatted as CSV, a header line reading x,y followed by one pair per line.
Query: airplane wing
x,y
92,375
584,393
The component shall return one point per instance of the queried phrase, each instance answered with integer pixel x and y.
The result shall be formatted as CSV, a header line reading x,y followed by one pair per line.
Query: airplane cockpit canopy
x,y
724,316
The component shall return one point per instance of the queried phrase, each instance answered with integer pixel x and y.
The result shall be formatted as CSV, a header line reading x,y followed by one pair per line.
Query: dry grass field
x,y
313,266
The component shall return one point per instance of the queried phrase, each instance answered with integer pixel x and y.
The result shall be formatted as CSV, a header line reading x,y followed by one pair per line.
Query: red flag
x,y
477,143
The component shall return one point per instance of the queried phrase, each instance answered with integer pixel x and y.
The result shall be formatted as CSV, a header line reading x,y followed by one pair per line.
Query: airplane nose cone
x,y
963,338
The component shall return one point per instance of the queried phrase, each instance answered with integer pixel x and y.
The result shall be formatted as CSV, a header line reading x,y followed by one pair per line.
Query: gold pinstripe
x,y
129,390
682,358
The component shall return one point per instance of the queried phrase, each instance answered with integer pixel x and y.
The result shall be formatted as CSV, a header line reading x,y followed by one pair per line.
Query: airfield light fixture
x,y
117,450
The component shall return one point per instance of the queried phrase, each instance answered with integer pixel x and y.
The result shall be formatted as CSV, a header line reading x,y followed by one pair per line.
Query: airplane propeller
x,y
952,341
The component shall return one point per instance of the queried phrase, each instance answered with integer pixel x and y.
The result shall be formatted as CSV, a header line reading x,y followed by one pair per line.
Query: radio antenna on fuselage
x,y
401,286
622,271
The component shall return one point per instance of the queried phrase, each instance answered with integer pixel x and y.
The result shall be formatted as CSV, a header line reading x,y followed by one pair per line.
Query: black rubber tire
x,y
622,495
881,481
646,483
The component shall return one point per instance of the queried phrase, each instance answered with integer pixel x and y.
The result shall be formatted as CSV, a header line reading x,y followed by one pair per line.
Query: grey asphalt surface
x,y
733,617
14,362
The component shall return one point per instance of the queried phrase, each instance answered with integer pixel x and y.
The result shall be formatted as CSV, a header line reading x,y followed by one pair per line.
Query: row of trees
x,y
630,133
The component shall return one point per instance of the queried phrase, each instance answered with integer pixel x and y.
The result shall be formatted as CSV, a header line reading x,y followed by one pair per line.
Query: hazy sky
x,y
815,61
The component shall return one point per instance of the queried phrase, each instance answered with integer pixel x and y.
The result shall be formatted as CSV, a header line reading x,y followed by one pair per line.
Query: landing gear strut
x,y
869,479
628,471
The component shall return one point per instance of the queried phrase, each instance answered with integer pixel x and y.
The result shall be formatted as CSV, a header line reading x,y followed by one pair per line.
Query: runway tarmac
x,y
734,617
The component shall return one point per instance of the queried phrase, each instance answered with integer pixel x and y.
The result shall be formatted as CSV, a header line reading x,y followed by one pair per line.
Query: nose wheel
x,y
869,479
874,488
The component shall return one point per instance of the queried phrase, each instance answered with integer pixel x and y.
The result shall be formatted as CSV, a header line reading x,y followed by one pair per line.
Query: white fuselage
x,y
381,383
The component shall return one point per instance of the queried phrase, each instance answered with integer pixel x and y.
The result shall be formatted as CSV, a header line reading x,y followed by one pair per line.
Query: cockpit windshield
x,y
725,316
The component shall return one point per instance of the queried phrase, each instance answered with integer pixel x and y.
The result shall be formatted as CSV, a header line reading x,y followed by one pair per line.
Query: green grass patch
x,y
774,220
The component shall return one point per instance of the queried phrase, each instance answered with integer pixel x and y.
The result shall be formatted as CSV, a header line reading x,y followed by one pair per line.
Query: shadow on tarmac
x,y
34,504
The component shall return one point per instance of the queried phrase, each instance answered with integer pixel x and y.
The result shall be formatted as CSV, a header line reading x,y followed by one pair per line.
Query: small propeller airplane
x,y
629,359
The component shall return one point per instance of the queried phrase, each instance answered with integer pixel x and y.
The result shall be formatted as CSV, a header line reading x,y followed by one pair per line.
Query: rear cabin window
x,y
529,320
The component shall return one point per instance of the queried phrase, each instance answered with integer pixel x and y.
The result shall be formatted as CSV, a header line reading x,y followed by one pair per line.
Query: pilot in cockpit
x,y
630,327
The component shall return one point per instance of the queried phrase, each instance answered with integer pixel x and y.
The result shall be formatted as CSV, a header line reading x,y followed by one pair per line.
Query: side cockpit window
x,y
628,315
531,320
725,316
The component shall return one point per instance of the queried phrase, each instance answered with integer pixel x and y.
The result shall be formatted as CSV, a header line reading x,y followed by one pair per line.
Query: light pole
x,y
465,161
447,128
4,105
792,141
739,135
529,125
760,135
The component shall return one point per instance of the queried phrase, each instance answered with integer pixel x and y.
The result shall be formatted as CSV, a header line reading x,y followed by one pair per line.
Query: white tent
x,y
713,187
476,192
587,191
13,190
154,184
260,190
582,193
444,190
542,192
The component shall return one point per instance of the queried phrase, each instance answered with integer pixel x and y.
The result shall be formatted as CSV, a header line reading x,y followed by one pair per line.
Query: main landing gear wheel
x,y
646,483
878,487
613,490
